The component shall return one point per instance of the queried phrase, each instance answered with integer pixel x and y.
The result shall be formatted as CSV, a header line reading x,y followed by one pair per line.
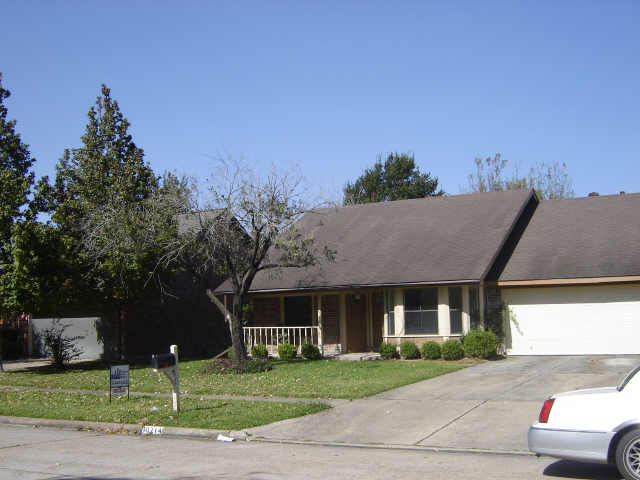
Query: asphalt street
x,y
28,453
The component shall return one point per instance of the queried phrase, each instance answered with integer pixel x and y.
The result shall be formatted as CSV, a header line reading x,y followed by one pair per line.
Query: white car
x,y
599,425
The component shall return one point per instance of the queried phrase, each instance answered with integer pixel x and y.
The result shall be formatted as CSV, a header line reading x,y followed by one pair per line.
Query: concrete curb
x,y
203,434
106,427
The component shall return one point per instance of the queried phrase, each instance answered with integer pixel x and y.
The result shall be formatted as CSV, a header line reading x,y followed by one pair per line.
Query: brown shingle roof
x,y
579,238
427,240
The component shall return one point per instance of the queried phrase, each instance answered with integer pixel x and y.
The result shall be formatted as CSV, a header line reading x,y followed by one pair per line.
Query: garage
x,y
572,283
573,320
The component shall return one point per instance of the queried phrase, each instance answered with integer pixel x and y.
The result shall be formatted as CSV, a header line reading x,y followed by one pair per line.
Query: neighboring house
x,y
415,270
572,285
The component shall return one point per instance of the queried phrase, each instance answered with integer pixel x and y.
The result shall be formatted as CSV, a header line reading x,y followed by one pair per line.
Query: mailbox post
x,y
167,363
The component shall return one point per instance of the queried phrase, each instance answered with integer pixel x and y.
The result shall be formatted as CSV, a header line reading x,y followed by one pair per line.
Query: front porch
x,y
353,321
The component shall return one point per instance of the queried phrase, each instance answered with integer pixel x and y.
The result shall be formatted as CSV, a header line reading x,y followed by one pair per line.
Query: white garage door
x,y
576,320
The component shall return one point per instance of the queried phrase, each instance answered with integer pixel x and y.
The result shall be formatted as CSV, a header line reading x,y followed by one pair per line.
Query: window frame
x,y
389,308
457,310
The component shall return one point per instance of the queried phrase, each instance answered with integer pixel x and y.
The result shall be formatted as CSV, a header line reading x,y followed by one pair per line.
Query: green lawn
x,y
195,413
314,379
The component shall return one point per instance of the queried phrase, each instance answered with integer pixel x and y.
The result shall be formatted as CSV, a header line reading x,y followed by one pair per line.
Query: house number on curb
x,y
152,430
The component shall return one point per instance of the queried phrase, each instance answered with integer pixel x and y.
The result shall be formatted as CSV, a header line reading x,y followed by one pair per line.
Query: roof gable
x,y
579,238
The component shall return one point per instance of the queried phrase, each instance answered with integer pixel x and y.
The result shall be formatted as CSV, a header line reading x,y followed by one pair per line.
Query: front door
x,y
356,323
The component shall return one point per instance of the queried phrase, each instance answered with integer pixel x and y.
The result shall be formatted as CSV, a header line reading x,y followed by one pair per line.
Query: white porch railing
x,y
272,337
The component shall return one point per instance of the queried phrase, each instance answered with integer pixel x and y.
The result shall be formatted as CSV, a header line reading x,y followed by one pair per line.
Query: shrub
x,y
224,366
479,344
388,351
310,351
59,347
259,350
286,351
431,351
253,366
452,350
409,350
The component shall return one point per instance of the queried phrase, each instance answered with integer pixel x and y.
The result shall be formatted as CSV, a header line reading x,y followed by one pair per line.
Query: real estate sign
x,y
118,380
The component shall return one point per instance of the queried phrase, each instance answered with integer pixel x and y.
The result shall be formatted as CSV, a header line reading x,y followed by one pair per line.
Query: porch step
x,y
358,357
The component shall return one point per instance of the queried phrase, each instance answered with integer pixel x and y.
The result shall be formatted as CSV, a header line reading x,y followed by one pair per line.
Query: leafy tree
x,y
135,237
106,174
16,180
41,277
397,178
549,180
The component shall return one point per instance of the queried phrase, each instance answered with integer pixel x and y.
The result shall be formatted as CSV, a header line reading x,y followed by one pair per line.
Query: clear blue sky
x,y
328,85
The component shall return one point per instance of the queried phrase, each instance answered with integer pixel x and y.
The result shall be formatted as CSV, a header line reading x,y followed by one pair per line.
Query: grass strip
x,y
195,413
298,378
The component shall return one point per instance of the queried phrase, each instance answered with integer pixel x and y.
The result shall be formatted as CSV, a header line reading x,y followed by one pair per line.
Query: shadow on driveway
x,y
581,470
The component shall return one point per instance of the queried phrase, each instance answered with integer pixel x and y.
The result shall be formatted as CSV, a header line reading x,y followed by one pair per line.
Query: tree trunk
x,y
239,352
122,340
237,336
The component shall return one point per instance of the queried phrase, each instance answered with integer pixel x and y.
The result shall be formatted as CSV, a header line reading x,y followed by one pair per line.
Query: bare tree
x,y
549,180
250,227
488,174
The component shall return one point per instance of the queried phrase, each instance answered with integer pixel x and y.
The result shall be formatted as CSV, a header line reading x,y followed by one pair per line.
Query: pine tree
x,y
106,175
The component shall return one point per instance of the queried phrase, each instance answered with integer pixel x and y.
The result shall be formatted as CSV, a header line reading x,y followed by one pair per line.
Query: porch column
x,y
343,322
444,320
320,323
466,319
385,316
398,310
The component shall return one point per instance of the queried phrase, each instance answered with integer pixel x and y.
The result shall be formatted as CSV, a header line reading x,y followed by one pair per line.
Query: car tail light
x,y
546,410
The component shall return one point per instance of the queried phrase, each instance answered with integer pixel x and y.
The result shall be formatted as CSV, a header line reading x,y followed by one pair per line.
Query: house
x,y
572,285
422,269
563,274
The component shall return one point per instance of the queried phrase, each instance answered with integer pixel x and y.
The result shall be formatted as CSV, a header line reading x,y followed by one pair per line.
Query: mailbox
x,y
167,363
161,361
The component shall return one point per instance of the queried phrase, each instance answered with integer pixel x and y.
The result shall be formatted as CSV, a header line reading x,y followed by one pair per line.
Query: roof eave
x,y
356,286
550,282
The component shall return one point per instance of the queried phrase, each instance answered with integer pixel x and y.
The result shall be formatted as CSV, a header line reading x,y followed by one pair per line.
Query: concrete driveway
x,y
487,407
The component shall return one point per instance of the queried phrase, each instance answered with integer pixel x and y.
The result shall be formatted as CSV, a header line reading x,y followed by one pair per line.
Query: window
x,y
421,311
297,311
389,308
455,310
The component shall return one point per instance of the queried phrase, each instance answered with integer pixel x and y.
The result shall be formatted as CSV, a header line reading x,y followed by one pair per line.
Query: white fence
x,y
272,337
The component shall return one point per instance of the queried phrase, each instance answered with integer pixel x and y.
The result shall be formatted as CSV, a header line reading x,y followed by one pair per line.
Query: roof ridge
x,y
439,197
610,195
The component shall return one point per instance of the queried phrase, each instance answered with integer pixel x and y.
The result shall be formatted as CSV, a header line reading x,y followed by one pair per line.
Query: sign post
x,y
175,380
118,380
